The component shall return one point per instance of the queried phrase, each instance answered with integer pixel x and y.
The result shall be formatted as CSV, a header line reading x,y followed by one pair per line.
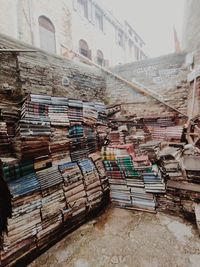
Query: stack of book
x,y
90,114
59,150
75,110
101,113
91,139
83,141
10,114
96,157
74,189
54,182
13,169
41,99
5,144
153,181
192,167
126,181
31,110
49,177
161,120
150,148
26,204
116,137
31,147
101,135
142,200
34,126
53,201
169,158
170,134
47,229
59,145
58,115
78,149
92,182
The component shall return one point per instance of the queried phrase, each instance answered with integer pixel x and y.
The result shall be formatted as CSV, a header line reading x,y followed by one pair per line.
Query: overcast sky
x,y
153,20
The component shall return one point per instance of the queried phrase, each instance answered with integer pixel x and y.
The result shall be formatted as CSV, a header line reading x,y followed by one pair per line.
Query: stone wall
x,y
166,75
191,25
41,72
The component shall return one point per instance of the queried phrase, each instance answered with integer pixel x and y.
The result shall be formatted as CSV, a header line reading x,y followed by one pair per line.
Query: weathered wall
x,y
43,73
191,27
19,19
166,75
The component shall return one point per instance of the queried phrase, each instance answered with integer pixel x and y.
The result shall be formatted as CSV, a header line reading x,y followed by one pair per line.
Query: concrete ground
x,y
122,238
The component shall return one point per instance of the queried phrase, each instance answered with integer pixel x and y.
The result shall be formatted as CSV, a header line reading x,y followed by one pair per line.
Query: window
x,y
120,38
47,35
100,58
83,49
99,19
83,7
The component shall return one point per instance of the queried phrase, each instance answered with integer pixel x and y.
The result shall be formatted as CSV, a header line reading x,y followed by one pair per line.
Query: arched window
x,y
47,35
84,49
100,58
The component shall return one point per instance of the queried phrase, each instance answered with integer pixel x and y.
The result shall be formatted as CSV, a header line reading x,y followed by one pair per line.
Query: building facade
x,y
83,26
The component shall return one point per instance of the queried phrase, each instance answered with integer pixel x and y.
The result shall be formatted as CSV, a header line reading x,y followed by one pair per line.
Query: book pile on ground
x,y
13,169
153,181
171,134
76,197
161,121
5,144
53,201
59,144
34,126
137,136
92,182
150,148
170,162
101,135
30,148
74,189
54,183
59,150
10,113
192,167
42,99
26,204
96,157
90,114
83,141
126,182
101,113
141,199
58,115
31,110
49,177
116,137
75,110
91,139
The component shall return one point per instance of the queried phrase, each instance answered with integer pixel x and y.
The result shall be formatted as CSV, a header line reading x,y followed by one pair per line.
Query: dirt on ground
x,y
123,238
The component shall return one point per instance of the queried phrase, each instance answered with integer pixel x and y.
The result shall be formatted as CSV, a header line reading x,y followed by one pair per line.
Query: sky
x,y
152,19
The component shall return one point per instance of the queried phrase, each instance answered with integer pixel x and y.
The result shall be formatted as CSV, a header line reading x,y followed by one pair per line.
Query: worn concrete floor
x,y
121,238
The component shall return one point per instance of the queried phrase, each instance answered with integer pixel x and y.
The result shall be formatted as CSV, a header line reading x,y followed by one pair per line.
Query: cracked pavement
x,y
124,238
